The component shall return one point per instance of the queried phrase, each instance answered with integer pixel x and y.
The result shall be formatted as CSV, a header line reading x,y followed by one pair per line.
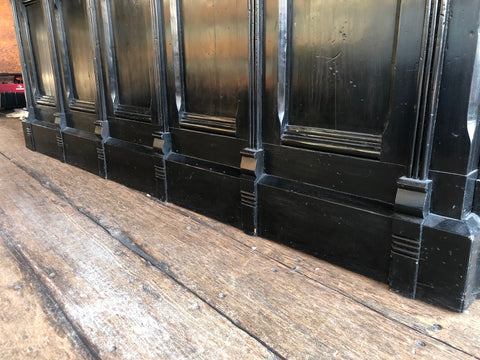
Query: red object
x,y
12,88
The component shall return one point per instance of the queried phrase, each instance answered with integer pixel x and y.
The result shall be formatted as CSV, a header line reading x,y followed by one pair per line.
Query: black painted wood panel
x,y
318,124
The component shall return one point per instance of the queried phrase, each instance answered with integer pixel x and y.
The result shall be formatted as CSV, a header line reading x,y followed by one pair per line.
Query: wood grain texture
x,y
31,326
300,307
125,307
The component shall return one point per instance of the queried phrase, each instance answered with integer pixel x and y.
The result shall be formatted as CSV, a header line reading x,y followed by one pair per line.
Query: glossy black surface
x,y
40,53
131,165
132,29
81,148
325,222
77,38
189,184
27,132
455,140
346,129
341,57
215,52
43,135
449,269
40,68
132,45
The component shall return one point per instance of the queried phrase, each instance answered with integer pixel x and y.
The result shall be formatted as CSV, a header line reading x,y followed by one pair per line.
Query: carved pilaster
x,y
60,120
412,205
162,145
414,192
449,262
102,132
251,165
102,129
28,134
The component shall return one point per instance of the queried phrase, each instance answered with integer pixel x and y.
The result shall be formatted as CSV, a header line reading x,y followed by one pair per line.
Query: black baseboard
x,y
351,232
449,268
28,135
207,188
84,150
133,166
48,139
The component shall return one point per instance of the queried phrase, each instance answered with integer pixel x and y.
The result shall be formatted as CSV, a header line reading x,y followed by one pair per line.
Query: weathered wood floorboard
x,y
316,311
458,330
124,307
31,327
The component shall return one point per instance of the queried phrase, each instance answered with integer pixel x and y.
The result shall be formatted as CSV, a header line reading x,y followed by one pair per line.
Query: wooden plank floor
x,y
91,269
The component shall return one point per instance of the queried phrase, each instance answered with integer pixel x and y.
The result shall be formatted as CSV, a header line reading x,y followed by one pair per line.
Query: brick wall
x,y
9,58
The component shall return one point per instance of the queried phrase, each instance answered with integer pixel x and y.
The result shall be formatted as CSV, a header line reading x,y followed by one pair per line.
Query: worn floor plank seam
x,y
130,245
334,289
25,266
297,316
381,313
164,268
266,256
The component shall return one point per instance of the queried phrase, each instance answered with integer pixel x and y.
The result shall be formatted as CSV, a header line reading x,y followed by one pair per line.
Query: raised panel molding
x,y
121,110
215,124
81,105
81,95
39,95
190,120
304,134
133,112
346,142
45,100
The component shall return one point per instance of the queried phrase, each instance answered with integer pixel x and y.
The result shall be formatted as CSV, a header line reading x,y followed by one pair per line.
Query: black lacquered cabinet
x,y
318,124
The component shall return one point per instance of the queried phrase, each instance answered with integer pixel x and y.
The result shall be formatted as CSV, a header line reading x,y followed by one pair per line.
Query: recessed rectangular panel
x,y
216,35
341,61
132,31
81,53
41,49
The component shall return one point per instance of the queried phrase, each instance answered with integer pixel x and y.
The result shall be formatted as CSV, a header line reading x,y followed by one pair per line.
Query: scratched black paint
x,y
318,124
